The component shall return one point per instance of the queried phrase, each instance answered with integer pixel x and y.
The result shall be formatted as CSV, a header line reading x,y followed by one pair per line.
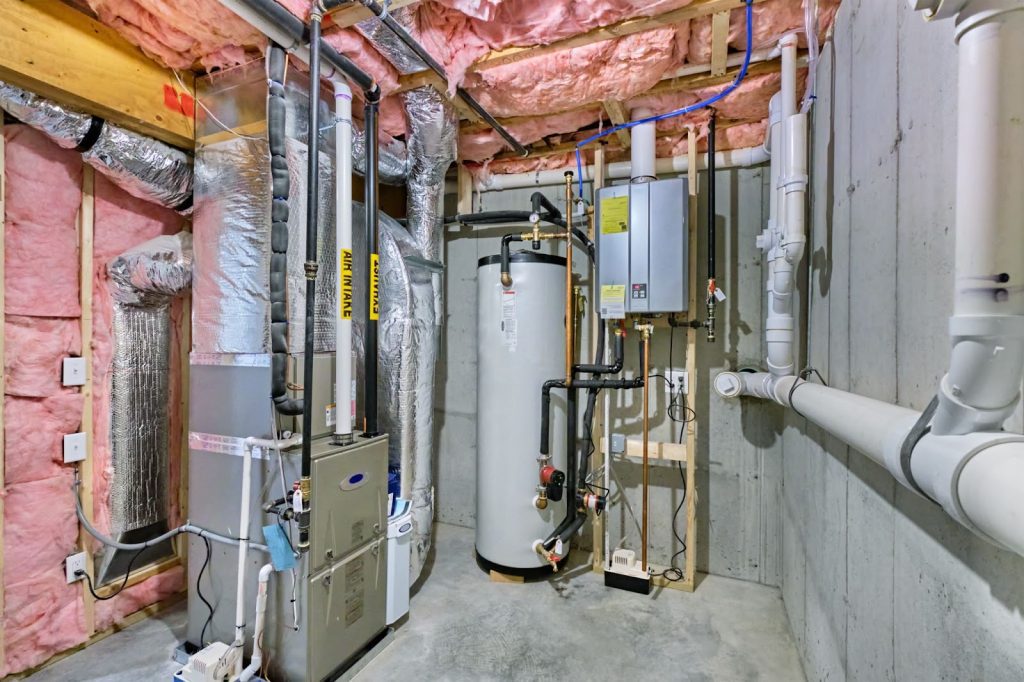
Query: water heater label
x,y
613,301
614,214
509,333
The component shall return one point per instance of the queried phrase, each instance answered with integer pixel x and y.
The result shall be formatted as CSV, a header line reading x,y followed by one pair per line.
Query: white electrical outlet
x,y
73,564
74,447
678,380
74,372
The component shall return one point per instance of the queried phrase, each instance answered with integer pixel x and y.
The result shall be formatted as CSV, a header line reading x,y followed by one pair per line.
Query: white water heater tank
x,y
520,345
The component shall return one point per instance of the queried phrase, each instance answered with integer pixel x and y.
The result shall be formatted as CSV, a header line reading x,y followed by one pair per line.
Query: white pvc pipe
x,y
733,158
982,387
243,532
256,662
642,153
344,404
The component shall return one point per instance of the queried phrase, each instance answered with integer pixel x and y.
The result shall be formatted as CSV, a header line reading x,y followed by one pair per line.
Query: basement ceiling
x,y
552,71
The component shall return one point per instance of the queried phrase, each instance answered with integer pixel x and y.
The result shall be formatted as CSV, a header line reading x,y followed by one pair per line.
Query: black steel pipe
x,y
372,282
436,67
711,198
276,15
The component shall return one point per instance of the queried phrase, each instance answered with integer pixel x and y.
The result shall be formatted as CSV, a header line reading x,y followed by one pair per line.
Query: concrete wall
x,y
878,583
739,477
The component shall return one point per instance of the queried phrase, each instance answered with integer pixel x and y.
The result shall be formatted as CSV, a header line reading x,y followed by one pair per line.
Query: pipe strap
x,y
920,429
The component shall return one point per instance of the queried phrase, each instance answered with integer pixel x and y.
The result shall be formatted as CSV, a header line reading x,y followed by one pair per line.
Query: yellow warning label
x,y
374,286
345,281
613,301
614,214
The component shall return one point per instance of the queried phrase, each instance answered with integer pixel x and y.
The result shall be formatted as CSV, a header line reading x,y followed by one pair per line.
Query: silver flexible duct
x,y
433,139
392,158
145,280
143,167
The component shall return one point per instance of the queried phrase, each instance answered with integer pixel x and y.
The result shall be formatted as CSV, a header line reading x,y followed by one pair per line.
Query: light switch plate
x,y
72,564
74,372
74,447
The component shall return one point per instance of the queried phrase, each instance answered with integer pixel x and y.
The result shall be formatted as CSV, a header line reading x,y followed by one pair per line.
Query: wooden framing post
x,y
690,571
3,381
86,224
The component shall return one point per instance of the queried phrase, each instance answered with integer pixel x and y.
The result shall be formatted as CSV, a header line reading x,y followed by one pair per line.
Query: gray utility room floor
x,y
465,627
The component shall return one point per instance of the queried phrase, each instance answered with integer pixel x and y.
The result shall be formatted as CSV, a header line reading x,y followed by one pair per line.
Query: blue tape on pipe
x,y
281,555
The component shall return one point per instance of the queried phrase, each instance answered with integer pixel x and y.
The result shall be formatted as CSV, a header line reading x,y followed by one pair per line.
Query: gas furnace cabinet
x,y
642,247
339,586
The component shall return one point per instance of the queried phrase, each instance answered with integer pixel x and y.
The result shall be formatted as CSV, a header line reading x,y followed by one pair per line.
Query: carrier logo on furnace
x,y
346,283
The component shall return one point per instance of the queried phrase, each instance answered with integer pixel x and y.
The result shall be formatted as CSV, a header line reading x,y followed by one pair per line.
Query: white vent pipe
x,y
343,387
743,157
642,153
964,462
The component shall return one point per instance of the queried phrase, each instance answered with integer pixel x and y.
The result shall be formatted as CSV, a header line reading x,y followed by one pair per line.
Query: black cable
x,y
123,584
199,591
673,573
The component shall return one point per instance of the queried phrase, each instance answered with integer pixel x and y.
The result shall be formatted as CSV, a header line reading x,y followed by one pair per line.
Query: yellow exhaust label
x,y
374,286
345,281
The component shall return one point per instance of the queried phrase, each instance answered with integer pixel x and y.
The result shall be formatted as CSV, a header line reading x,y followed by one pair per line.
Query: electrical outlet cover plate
x,y
678,380
73,564
74,447
74,372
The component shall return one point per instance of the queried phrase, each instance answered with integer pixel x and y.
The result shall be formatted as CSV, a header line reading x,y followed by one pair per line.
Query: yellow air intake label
x,y
345,282
614,215
374,286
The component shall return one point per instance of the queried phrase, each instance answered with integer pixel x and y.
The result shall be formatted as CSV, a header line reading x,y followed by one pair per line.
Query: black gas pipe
x,y
711,231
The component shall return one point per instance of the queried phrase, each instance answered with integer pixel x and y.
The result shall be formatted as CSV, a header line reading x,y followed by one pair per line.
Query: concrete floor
x,y
464,627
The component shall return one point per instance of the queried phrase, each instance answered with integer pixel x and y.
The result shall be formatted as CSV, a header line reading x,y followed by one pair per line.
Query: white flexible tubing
x,y
256,662
343,219
733,158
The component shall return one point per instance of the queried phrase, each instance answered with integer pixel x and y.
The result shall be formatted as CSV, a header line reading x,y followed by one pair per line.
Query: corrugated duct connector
x,y
143,167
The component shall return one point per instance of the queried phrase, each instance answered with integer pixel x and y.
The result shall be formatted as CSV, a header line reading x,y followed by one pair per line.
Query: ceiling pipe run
x,y
734,158
954,452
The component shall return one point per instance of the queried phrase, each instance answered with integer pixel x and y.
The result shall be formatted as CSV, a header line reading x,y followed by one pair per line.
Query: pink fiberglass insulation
x,y
772,19
36,348
42,614
41,237
122,221
34,434
139,596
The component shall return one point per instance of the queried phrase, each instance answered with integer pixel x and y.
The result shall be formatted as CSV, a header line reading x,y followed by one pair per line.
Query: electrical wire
x,y
124,582
673,573
749,4
199,592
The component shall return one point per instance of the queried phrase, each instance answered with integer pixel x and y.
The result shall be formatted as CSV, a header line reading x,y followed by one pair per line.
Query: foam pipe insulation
x,y
145,280
143,167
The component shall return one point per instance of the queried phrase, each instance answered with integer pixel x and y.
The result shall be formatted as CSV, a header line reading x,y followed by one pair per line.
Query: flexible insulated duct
x,y
141,166
145,279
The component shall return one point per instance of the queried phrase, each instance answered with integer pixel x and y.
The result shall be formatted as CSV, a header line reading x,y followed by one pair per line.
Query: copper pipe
x,y
647,426
570,318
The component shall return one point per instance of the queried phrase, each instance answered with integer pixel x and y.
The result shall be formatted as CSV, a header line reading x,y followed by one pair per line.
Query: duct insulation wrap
x,y
145,280
143,167
392,161
433,135
391,46
408,336
520,346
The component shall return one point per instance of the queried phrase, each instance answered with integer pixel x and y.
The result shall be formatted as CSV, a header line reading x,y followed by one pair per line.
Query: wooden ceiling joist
x,y
56,51
617,115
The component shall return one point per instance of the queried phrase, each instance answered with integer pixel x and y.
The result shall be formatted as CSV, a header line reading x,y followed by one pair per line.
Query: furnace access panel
x,y
642,246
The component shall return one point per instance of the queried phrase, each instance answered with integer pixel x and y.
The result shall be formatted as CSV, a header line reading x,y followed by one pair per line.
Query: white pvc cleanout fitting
x,y
733,158
256,662
982,387
642,153
344,404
